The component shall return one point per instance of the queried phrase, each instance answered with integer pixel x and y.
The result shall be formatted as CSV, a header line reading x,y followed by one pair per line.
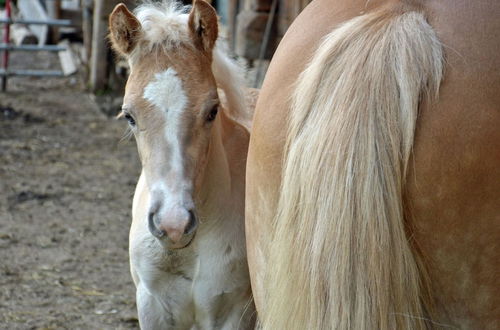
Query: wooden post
x,y
232,13
87,9
99,55
98,59
54,12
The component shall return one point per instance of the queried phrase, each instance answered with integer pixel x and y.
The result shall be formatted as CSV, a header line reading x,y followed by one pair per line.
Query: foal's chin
x,y
183,243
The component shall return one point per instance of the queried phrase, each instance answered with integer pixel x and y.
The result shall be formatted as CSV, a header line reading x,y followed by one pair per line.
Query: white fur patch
x,y
166,92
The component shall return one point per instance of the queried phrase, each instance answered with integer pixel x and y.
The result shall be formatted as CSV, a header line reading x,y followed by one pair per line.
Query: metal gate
x,y
7,47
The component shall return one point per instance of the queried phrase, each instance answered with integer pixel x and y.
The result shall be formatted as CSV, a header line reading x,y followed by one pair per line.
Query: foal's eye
x,y
213,113
130,119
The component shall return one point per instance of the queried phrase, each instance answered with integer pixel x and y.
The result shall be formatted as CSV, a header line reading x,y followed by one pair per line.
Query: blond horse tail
x,y
340,256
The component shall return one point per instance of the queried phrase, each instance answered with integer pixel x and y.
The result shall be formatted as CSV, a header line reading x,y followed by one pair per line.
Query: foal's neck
x,y
223,186
222,190
216,184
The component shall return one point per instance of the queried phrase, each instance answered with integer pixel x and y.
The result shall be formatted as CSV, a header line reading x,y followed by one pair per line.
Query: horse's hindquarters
x,y
453,188
452,185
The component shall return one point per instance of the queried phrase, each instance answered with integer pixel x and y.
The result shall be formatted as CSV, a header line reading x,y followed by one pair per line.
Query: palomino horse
x,y
377,206
193,155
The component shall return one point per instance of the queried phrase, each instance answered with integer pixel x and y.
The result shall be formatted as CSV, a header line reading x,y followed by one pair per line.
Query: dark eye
x,y
130,119
213,113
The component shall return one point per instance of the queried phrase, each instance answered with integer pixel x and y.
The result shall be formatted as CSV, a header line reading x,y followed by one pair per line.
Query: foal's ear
x,y
203,25
124,29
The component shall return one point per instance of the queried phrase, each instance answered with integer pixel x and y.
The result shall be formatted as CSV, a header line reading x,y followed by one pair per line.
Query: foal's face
x,y
171,105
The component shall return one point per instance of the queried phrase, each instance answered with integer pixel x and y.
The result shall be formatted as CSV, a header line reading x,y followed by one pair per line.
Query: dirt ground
x,y
66,187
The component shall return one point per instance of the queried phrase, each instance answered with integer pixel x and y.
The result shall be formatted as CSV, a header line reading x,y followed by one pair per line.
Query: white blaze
x,y
166,93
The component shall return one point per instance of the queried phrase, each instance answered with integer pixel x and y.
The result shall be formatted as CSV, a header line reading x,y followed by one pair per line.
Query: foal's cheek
x,y
201,164
141,150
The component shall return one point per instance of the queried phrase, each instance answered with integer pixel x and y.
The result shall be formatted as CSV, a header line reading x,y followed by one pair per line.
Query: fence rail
x,y
31,48
6,47
53,22
31,73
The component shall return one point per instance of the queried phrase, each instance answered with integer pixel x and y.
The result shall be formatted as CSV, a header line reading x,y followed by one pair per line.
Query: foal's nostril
x,y
152,227
191,224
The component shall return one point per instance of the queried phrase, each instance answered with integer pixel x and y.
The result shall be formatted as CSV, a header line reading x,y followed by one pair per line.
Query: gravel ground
x,y
66,187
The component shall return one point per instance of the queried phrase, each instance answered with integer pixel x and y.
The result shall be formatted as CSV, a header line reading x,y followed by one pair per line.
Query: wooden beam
x,y
87,9
54,12
99,63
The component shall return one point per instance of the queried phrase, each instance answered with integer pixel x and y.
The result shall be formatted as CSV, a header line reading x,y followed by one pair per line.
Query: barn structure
x,y
245,22
253,29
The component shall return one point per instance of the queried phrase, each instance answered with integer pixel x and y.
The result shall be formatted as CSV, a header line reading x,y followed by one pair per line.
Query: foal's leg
x,y
152,314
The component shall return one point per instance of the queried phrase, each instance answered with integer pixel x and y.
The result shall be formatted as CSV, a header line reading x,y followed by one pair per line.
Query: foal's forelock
x,y
164,27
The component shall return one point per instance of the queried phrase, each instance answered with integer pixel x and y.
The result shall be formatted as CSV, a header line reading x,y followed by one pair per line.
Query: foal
x,y
193,154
